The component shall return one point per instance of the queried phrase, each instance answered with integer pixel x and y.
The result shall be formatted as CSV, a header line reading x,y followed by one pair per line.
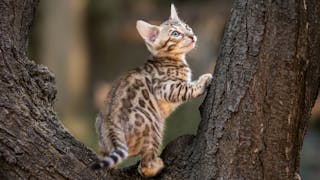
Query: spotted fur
x,y
131,122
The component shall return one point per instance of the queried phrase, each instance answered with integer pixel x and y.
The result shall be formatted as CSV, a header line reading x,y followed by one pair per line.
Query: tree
x,y
253,119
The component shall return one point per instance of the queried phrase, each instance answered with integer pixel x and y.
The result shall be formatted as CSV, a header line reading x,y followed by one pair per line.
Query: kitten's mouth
x,y
193,40
192,43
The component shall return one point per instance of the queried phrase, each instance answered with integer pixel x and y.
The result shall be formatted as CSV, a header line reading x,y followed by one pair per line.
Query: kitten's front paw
x,y
206,79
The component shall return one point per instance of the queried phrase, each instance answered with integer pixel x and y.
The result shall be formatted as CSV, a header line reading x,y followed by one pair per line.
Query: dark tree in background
x,y
253,119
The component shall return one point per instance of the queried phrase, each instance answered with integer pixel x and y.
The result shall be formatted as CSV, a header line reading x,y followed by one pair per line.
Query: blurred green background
x,y
88,43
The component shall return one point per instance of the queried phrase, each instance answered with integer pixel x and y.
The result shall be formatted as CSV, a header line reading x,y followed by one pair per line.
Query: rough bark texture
x,y
265,84
253,119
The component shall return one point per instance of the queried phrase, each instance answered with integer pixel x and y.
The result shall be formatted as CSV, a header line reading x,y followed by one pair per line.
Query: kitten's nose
x,y
193,38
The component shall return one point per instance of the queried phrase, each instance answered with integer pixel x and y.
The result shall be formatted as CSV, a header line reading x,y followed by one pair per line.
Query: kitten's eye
x,y
175,34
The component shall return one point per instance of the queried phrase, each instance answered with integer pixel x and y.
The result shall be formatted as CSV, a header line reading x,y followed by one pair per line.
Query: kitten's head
x,y
173,38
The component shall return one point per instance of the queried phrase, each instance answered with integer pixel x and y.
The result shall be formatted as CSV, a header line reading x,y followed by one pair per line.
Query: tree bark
x,y
253,119
265,84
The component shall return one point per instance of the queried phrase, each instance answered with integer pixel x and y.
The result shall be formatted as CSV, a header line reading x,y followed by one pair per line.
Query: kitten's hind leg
x,y
150,164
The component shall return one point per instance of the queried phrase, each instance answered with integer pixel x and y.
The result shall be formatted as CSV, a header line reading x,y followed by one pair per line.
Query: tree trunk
x,y
265,84
253,119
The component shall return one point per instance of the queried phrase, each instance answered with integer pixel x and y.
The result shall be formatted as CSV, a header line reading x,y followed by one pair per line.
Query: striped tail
x,y
110,161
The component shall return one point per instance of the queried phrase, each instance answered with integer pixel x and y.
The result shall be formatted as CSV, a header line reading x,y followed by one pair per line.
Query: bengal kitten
x,y
131,122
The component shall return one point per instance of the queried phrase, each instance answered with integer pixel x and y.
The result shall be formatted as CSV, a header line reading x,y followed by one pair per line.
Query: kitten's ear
x,y
174,14
147,31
